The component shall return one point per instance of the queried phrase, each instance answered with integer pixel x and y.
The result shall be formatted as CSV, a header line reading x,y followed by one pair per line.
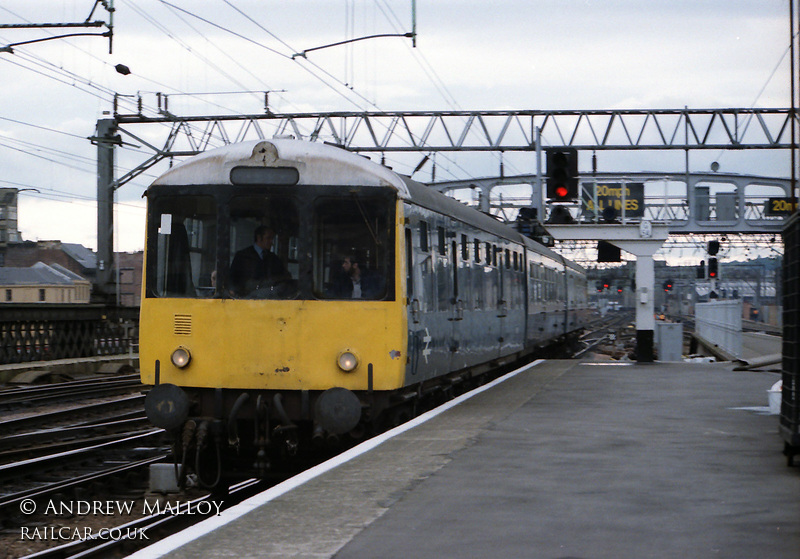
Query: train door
x,y
502,302
428,298
456,309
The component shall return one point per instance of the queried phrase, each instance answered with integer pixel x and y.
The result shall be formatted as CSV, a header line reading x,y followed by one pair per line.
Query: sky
x,y
470,55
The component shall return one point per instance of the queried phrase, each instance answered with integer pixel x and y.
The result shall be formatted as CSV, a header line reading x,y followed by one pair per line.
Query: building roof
x,y
38,274
84,256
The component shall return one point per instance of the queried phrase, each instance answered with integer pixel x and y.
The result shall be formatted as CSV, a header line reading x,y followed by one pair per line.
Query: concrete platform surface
x,y
564,460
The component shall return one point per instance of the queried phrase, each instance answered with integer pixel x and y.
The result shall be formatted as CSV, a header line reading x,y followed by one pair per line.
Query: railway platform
x,y
563,459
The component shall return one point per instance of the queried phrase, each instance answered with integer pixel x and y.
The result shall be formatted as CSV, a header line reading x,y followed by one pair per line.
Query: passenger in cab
x,y
256,266
357,282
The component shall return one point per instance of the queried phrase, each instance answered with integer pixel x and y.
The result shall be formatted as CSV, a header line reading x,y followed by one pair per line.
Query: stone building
x,y
43,283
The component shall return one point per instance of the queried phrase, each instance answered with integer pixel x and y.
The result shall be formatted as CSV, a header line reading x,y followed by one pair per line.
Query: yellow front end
x,y
273,344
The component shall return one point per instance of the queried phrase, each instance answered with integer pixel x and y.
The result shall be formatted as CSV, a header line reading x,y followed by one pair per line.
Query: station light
x,y
562,174
713,268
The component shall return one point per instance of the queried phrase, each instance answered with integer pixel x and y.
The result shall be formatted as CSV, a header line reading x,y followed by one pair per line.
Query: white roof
x,y
317,164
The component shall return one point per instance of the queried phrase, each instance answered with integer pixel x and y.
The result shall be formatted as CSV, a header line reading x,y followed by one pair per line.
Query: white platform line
x,y
161,548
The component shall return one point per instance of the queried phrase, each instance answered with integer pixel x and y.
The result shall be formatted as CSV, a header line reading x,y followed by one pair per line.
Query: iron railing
x,y
44,332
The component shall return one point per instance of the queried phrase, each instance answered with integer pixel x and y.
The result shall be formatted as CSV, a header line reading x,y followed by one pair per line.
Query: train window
x,y
508,259
409,266
495,250
442,242
477,288
464,248
516,262
353,240
182,251
264,232
443,296
423,236
476,251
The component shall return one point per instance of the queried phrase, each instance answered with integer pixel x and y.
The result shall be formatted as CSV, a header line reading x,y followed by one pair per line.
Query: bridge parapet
x,y
41,332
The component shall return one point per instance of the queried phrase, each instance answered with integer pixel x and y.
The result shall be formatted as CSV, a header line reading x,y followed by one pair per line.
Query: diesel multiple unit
x,y
296,293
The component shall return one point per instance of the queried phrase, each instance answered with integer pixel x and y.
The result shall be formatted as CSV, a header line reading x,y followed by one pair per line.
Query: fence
x,y
720,323
42,332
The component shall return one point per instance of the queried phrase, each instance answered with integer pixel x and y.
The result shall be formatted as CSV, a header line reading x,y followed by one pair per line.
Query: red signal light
x,y
561,191
713,268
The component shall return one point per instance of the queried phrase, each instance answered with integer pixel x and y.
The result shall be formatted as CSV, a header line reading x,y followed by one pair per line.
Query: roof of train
x,y
317,163
434,200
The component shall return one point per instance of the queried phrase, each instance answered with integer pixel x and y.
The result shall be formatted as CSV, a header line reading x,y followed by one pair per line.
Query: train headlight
x,y
181,357
347,361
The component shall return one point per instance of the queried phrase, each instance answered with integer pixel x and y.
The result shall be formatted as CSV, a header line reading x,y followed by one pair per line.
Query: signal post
x,y
642,240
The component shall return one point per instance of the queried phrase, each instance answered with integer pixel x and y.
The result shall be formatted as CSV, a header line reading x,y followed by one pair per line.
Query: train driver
x,y
256,266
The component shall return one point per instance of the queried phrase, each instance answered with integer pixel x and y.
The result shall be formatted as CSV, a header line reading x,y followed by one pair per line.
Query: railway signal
x,y
562,174
713,270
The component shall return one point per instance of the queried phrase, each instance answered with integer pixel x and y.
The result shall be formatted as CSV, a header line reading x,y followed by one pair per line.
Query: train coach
x,y
296,293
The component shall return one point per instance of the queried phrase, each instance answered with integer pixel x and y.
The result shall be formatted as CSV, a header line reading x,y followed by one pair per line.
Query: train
x,y
297,296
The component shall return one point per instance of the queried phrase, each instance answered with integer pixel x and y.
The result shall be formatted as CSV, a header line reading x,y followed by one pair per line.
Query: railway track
x,y
607,331
74,415
27,396
61,443
136,534
20,476
38,443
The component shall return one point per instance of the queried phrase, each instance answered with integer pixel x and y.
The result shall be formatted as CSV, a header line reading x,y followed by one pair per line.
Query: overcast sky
x,y
471,55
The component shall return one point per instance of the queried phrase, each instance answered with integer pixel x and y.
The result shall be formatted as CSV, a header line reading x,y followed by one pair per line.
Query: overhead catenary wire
x,y
292,49
344,89
73,79
430,72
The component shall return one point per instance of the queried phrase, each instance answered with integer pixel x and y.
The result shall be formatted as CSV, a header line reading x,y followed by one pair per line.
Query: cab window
x,y
353,248
182,254
263,247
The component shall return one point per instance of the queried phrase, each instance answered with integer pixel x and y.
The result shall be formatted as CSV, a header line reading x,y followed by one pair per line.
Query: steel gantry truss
x,y
449,131
426,132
